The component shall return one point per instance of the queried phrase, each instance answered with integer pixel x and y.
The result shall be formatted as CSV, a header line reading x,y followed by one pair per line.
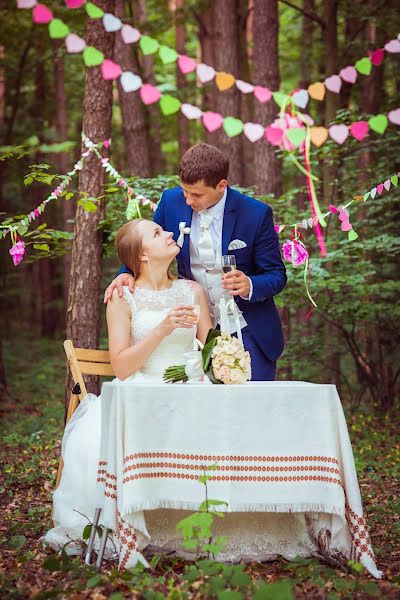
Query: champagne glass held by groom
x,y
221,221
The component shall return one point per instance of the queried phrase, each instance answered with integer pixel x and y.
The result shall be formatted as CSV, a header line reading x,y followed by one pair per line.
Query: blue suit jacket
x,y
251,221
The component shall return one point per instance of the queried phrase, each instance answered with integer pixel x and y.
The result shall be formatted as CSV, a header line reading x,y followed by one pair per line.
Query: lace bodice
x,y
149,308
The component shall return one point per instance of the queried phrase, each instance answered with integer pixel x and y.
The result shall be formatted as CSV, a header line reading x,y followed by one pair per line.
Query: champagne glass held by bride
x,y
193,299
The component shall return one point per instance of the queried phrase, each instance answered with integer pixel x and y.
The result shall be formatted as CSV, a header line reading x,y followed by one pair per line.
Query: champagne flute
x,y
193,299
228,263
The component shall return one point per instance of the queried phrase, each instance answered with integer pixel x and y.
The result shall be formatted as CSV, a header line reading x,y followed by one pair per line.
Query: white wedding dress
x,y
252,536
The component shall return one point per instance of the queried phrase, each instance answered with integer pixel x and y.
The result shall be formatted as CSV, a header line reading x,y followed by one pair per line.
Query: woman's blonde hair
x,y
129,245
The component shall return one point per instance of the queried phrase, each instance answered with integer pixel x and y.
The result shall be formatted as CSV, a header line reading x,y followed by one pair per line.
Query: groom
x,y
209,220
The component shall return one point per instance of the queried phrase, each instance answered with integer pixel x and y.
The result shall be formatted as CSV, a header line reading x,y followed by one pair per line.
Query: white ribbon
x,y
227,308
194,364
183,230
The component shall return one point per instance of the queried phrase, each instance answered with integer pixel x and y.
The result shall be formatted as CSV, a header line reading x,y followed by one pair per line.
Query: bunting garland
x,y
205,73
212,121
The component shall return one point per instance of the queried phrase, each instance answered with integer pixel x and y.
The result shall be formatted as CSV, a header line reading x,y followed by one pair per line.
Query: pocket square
x,y
237,244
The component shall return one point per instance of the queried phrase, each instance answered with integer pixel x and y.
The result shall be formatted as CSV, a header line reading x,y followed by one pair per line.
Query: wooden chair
x,y
83,362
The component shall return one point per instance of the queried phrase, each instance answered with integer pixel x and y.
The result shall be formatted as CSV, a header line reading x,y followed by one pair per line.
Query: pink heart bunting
x,y
26,3
346,225
333,83
348,74
333,209
274,135
74,3
386,185
380,188
359,130
377,57
212,121
262,94
41,14
339,133
74,43
110,69
129,34
394,116
393,46
343,215
149,94
186,64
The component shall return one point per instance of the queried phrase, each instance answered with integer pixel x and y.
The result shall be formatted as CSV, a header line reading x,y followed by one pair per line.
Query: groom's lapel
x,y
186,216
230,215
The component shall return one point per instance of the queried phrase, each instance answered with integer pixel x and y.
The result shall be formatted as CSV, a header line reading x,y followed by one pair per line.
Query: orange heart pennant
x,y
224,81
317,90
319,135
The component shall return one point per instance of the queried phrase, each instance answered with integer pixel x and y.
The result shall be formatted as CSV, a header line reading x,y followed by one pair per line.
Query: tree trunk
x,y
156,155
226,54
83,319
266,73
206,39
183,124
134,126
62,158
331,99
246,104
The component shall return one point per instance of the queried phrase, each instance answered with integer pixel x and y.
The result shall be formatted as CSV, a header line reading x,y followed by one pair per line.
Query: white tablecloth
x,y
280,447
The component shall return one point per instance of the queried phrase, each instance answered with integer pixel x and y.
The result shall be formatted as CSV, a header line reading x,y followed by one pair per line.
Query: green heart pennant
x,y
148,45
296,135
92,57
366,196
233,126
281,99
378,123
169,105
167,55
395,180
353,235
364,66
58,29
93,11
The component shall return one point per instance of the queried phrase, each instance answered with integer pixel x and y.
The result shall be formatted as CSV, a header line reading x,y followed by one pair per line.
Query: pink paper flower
x,y
17,252
284,123
295,252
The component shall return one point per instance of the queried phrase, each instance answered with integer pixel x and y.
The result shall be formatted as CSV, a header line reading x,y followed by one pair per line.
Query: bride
x,y
150,329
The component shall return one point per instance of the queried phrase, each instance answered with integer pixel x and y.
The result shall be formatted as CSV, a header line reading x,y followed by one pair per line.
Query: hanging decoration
x,y
206,73
213,121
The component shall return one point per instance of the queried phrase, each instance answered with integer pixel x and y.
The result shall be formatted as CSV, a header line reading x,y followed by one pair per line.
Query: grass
x,y
32,424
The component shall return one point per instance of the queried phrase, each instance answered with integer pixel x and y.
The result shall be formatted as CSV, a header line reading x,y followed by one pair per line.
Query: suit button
x,y
210,287
212,303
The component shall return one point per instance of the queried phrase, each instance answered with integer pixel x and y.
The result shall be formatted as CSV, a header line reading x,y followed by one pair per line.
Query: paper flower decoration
x,y
285,123
17,252
295,252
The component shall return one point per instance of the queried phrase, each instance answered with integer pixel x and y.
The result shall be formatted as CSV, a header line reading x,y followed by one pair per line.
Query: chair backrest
x,y
87,362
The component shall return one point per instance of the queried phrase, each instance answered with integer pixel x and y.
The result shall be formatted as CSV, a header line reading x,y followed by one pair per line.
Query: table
x,y
279,447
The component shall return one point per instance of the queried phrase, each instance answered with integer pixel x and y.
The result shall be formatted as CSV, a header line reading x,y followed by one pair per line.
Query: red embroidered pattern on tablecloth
x,y
252,478
234,458
128,541
109,480
361,543
191,467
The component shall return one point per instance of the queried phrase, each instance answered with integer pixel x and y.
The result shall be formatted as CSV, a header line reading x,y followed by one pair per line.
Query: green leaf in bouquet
x,y
212,333
210,374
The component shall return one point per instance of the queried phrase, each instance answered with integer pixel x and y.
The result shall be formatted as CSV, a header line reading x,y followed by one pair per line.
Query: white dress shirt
x,y
217,212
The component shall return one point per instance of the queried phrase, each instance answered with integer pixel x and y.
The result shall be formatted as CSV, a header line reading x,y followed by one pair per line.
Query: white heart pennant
x,y
129,34
244,87
191,112
253,131
205,73
111,23
74,43
301,98
130,82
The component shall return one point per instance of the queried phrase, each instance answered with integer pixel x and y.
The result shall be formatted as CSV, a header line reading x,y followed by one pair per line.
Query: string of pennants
x,y
211,120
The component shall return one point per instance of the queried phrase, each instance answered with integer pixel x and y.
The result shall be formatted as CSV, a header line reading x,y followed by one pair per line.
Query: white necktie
x,y
206,246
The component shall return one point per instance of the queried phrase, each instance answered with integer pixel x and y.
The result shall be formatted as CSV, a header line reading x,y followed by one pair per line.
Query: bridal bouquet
x,y
223,359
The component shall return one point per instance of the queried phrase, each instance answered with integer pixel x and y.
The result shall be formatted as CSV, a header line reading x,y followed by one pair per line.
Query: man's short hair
x,y
203,162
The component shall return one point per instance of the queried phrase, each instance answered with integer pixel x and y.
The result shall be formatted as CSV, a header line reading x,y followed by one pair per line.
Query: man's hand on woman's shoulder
x,y
118,283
